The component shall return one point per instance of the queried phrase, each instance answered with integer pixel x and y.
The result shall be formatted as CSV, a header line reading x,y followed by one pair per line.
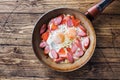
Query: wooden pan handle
x,y
94,11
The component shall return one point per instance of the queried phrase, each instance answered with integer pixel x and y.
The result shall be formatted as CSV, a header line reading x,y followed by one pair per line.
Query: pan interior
x,y
47,61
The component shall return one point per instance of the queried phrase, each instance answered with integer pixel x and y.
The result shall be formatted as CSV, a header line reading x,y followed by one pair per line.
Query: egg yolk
x,y
71,33
59,38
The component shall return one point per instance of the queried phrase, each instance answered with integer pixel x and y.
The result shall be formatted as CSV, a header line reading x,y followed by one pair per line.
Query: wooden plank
x,y
34,6
25,50
16,53
88,71
110,21
102,41
17,59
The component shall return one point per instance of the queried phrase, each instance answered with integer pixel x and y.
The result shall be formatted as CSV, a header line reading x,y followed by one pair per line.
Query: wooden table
x,y
17,59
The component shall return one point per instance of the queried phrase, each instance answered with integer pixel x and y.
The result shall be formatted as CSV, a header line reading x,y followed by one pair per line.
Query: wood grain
x,y
17,59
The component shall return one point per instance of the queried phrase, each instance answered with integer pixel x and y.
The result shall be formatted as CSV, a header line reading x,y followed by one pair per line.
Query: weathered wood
x,y
36,6
17,59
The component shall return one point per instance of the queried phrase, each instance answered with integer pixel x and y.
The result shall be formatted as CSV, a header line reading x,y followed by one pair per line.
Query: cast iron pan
x,y
86,22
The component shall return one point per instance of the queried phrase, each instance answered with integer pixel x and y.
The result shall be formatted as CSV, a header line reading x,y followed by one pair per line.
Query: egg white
x,y
67,42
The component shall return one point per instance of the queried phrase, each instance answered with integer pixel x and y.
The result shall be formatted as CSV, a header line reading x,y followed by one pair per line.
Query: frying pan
x,y
86,19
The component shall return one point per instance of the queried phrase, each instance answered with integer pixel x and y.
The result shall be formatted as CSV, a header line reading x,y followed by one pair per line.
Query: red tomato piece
x,y
69,50
76,22
54,27
45,36
62,53
64,21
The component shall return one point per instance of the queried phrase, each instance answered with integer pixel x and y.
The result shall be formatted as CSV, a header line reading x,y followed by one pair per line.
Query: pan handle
x,y
92,13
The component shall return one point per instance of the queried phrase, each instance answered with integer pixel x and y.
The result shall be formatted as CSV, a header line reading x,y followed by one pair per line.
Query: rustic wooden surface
x,y
17,59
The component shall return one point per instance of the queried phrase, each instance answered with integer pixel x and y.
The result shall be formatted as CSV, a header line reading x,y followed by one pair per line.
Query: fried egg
x,y
61,37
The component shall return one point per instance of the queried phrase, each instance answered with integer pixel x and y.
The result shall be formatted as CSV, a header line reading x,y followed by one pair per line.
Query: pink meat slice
x,y
43,44
82,31
54,54
57,20
79,53
59,60
86,42
69,23
74,48
82,28
70,57
46,50
43,28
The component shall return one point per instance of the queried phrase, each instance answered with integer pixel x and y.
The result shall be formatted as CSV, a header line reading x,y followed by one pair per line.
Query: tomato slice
x,y
45,36
54,27
62,53
69,50
76,22
64,21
